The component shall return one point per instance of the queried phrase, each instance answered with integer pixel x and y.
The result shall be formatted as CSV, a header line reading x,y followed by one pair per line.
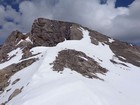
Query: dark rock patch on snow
x,y
79,62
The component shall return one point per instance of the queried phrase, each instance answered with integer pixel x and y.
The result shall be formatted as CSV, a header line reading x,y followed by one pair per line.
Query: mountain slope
x,y
61,63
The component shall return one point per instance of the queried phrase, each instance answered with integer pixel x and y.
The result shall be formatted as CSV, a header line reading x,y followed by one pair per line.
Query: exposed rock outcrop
x,y
10,44
129,52
14,82
15,93
97,37
78,61
51,32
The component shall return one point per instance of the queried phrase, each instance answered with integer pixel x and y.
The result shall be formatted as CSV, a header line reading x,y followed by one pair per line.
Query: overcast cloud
x,y
121,23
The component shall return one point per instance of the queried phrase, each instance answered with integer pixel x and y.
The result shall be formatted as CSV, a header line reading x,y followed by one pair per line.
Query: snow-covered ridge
x,y
44,86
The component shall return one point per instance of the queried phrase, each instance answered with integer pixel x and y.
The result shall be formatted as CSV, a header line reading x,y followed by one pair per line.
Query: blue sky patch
x,y
123,3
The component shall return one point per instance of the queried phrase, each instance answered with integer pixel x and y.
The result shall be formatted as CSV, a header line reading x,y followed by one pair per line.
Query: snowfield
x,y
43,86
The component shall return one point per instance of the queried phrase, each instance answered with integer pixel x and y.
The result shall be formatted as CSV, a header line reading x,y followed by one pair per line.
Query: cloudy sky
x,y
119,19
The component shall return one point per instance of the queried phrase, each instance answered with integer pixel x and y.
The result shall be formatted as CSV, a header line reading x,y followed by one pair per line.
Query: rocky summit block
x,y
47,32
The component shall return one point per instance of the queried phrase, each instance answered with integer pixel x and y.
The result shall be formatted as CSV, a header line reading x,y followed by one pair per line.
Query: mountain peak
x,y
56,56
46,32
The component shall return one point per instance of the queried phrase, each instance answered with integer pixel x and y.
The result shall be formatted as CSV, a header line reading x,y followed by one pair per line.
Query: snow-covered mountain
x,y
62,63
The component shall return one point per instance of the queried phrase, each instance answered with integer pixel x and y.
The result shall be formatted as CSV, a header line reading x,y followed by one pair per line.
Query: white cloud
x,y
7,27
122,23
127,26
33,11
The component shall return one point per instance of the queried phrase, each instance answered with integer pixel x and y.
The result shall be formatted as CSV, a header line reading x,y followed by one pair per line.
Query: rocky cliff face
x,y
11,44
129,52
50,33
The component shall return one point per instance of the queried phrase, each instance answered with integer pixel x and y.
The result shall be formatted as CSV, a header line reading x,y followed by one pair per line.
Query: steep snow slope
x,y
41,85
14,57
